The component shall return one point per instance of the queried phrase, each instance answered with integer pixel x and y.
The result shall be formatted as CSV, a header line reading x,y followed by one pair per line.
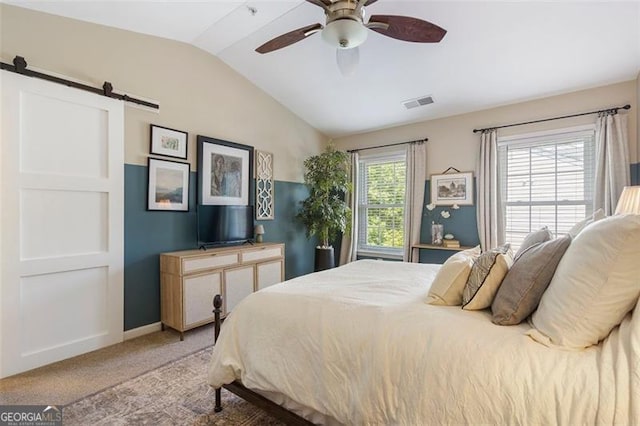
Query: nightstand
x,y
434,247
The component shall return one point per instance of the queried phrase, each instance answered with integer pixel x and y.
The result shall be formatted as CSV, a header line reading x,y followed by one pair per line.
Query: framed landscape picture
x,y
225,170
168,142
168,185
452,188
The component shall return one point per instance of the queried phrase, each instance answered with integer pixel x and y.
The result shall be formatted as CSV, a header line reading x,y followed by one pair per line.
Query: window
x,y
381,193
546,179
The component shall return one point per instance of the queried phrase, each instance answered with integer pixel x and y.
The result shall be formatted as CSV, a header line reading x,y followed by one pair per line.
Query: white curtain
x,y
612,161
348,248
490,221
416,176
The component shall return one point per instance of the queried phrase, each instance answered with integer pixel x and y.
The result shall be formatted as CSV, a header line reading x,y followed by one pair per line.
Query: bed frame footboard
x,y
248,395
217,321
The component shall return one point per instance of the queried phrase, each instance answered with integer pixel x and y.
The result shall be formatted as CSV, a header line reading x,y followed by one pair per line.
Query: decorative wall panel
x,y
264,186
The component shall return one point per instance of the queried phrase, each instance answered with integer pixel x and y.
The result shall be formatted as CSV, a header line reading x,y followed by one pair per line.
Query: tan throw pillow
x,y
451,278
485,278
536,237
526,281
596,283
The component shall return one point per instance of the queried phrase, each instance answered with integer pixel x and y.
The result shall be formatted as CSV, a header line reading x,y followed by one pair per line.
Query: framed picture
x,y
224,172
452,188
168,142
168,185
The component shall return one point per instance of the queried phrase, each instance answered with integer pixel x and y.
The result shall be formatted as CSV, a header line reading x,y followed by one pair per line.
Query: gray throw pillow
x,y
526,281
536,237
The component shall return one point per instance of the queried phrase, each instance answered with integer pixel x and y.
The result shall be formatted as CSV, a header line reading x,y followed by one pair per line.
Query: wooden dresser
x,y
189,280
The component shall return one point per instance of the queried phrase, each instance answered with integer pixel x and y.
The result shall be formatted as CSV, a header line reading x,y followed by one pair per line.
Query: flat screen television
x,y
222,225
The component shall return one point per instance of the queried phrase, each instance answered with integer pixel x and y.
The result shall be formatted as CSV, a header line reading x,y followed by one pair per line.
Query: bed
x,y
358,345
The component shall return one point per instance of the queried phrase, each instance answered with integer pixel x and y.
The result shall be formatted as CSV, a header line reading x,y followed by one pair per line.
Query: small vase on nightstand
x,y
437,231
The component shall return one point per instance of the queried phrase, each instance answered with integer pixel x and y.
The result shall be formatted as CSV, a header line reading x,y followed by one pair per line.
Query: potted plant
x,y
325,211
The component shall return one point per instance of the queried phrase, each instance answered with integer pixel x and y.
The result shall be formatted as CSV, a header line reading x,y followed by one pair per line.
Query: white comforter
x,y
358,345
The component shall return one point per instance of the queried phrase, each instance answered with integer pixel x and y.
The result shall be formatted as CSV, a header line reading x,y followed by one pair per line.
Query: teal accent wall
x,y
149,233
462,224
299,251
635,174
146,234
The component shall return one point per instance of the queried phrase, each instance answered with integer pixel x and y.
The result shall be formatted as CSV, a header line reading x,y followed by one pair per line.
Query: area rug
x,y
174,394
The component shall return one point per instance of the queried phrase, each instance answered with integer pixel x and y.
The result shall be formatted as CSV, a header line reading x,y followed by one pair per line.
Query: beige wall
x,y
453,143
197,92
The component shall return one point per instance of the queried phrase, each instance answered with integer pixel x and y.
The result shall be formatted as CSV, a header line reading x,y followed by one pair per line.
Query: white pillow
x,y
596,283
451,278
596,216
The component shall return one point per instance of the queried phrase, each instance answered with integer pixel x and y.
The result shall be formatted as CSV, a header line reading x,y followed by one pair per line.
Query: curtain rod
x,y
613,110
391,144
20,67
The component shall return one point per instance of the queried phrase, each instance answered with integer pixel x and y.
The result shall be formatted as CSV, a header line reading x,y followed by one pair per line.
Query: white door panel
x,y
61,227
46,147
47,322
77,222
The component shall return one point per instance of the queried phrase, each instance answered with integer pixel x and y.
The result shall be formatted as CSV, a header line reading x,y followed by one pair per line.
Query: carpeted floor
x,y
154,379
66,381
174,394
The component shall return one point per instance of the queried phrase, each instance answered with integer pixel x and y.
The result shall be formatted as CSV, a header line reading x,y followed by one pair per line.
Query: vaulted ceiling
x,y
494,52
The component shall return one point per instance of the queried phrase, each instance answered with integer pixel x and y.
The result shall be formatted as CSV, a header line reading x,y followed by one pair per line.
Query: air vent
x,y
421,101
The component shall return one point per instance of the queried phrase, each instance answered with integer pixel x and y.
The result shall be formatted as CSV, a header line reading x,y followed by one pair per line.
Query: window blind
x,y
382,184
546,180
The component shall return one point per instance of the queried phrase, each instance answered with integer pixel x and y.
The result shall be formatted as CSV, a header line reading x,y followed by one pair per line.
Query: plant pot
x,y
324,259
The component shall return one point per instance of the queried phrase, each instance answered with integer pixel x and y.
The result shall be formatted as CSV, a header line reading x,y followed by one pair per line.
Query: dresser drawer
x,y
209,262
189,279
264,253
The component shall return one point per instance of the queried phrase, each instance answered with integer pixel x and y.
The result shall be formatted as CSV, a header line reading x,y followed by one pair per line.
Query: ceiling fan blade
x,y
406,28
289,38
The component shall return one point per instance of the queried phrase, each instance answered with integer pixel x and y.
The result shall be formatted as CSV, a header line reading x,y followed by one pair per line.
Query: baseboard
x,y
141,331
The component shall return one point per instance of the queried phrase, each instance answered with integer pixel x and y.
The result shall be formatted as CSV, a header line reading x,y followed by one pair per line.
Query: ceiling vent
x,y
421,101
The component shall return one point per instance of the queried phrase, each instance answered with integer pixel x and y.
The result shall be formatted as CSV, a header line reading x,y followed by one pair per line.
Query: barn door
x,y
61,227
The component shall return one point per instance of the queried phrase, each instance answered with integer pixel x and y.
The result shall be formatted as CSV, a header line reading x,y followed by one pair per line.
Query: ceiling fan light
x,y
347,60
344,33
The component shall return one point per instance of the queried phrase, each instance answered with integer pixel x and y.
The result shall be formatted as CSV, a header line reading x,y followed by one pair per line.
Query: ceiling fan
x,y
347,27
